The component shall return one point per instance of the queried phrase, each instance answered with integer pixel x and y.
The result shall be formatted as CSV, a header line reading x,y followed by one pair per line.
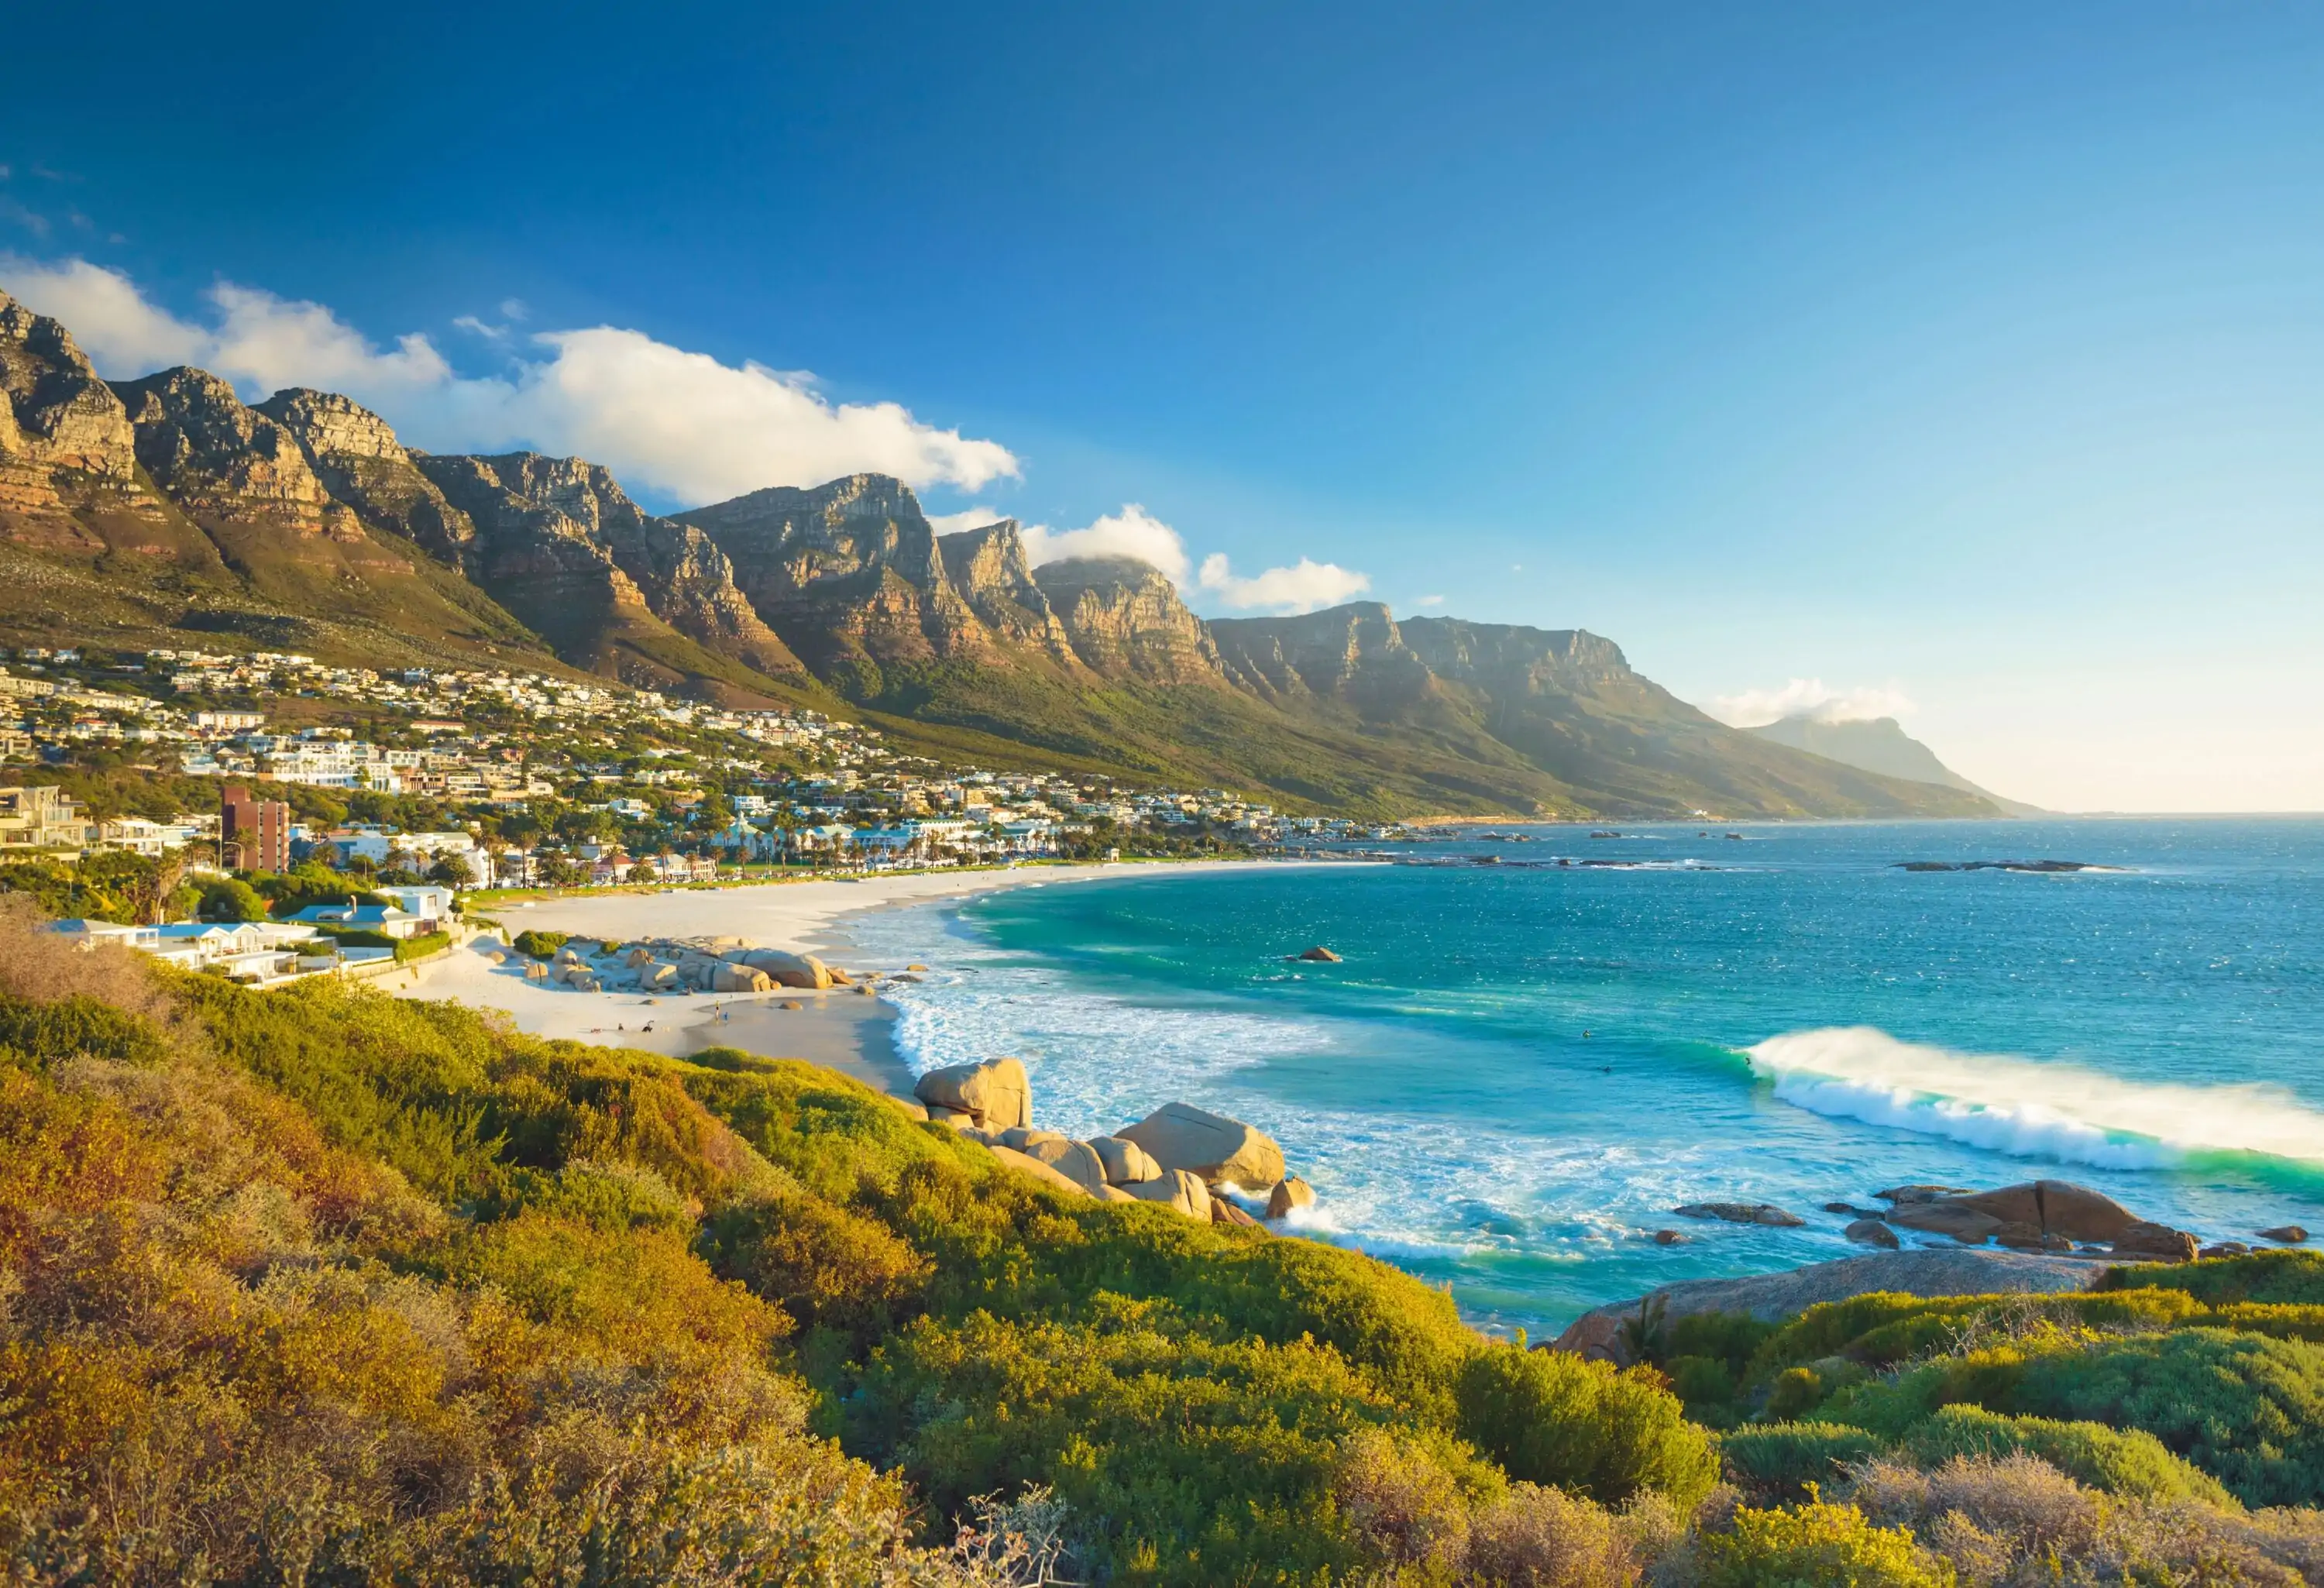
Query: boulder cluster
x,y
683,964
2041,1215
1181,1157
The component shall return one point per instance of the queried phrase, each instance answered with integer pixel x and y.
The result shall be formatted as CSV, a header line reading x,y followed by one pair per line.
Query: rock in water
x,y
1946,1217
2056,1207
1739,1213
1179,1136
1902,1194
1872,1232
2020,1236
1287,1194
1176,1189
1125,1162
1224,1211
2156,1243
994,1093
2291,1234
1319,954
1669,1238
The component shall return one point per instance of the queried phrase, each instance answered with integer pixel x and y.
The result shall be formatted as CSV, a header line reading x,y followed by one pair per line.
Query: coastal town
x,y
419,786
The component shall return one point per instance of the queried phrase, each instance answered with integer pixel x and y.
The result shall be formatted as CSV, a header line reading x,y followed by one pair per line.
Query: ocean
x,y
1521,1067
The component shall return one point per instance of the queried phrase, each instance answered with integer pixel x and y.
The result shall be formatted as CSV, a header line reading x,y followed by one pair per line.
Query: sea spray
x,y
2030,1108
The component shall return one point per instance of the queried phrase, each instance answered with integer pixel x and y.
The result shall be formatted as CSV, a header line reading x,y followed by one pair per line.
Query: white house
x,y
430,904
389,920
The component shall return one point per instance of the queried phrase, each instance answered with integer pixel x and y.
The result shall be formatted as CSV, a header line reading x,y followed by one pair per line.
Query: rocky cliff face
x,y
64,436
563,519
988,569
1354,653
850,575
361,463
1125,621
218,459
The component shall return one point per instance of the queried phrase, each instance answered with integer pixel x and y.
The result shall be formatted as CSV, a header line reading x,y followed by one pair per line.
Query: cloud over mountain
x,y
1811,697
675,421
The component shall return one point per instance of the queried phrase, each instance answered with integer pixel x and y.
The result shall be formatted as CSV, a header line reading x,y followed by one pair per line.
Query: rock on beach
x,y
1180,1136
994,1094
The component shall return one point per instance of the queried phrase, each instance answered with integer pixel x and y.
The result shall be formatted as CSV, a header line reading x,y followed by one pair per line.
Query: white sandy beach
x,y
843,1028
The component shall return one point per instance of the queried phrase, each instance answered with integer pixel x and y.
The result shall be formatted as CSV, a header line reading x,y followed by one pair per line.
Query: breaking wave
x,y
2032,1109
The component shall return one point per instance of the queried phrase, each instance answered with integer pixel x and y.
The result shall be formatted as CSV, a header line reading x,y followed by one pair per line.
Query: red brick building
x,y
253,834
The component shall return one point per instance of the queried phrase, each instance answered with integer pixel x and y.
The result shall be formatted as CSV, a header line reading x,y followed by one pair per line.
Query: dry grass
x,y
2013,1520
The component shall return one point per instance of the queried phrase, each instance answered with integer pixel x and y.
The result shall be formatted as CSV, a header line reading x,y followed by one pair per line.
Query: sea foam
x,y
2030,1108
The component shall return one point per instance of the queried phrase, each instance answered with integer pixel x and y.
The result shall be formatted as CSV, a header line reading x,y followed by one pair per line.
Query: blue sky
x,y
1966,359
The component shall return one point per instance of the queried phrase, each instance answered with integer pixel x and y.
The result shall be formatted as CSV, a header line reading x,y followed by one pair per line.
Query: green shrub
x,y
1729,1338
1551,1417
2246,1409
2281,1274
1211,1461
43,1033
2130,1462
1783,1459
422,947
1795,1392
1813,1547
539,943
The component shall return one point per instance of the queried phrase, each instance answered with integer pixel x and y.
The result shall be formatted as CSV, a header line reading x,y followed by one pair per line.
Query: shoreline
x,y
850,1029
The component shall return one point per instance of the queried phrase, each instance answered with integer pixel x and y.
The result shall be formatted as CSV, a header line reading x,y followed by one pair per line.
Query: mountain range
x,y
1879,744
167,510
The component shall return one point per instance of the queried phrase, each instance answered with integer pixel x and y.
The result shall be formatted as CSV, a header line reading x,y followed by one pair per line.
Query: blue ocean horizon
x,y
1521,1067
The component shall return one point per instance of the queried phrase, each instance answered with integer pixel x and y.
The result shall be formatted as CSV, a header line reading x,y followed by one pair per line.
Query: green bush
x,y
2280,1276
539,943
2131,1462
1551,1417
422,947
1816,1546
1783,1458
1795,1392
2246,1409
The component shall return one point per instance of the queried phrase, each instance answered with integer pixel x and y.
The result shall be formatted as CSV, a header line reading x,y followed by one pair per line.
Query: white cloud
x,y
1429,601
479,328
1808,697
1305,586
1135,533
1131,532
970,517
678,422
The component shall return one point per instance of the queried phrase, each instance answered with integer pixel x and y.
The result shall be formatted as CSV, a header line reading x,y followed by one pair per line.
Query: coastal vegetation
x,y
319,1285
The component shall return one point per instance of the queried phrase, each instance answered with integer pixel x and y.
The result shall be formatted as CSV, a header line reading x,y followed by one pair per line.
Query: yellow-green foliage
x,y
319,1282
1816,1546
1549,1417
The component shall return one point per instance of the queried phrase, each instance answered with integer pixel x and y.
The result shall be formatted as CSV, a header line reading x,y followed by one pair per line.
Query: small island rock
x,y
1872,1232
2291,1234
1319,954
1287,1194
1739,1213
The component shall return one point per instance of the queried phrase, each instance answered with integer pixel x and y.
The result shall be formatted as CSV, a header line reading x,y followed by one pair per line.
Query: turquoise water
x,y
1520,1068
